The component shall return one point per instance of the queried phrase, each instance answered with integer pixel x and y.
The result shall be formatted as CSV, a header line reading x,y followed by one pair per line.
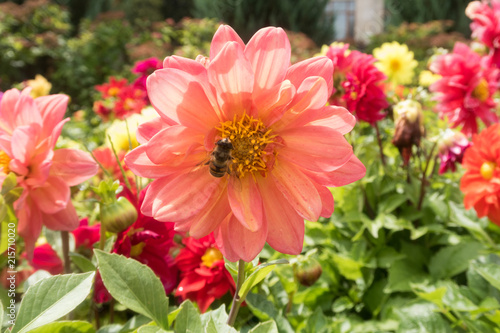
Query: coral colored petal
x,y
223,35
29,222
24,140
187,65
232,75
73,166
338,119
246,202
52,196
183,196
350,172
285,228
269,54
180,97
174,140
321,66
52,109
298,190
315,148
25,111
39,169
5,142
65,219
272,103
326,199
7,105
56,132
147,130
237,242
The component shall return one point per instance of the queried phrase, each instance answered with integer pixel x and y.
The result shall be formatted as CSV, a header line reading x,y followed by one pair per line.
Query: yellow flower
x,y
40,86
426,78
395,61
120,135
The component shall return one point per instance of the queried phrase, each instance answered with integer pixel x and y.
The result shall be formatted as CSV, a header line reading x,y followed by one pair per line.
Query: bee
x,y
220,159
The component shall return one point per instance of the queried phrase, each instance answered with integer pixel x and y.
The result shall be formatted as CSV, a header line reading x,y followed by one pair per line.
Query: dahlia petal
x,y
338,119
298,190
326,200
269,53
66,219
237,242
39,169
183,196
350,172
5,142
272,104
174,140
52,196
147,130
25,111
29,222
52,109
223,35
73,166
180,97
56,132
315,148
246,202
7,105
24,139
321,66
285,228
232,74
187,65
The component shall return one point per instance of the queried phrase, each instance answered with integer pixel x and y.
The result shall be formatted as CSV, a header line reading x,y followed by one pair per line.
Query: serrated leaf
x,y
151,329
135,322
258,274
83,263
452,260
188,320
490,272
261,307
134,285
50,299
219,316
216,327
66,327
266,327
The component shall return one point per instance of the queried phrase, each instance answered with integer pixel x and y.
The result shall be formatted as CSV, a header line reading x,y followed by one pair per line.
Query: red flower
x,y
204,278
481,181
107,159
145,68
86,236
149,242
113,88
466,88
451,150
44,257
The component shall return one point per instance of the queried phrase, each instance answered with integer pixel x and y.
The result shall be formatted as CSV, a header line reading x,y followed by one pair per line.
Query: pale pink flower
x,y
29,129
465,91
287,145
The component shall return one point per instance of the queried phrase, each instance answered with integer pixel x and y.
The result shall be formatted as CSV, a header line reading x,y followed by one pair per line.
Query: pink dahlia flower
x,y
287,146
485,25
29,129
145,68
465,91
451,150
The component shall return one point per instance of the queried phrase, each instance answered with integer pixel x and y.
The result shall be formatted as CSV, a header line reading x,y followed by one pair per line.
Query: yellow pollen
x,y
395,65
487,170
211,256
4,162
481,91
249,138
136,250
113,91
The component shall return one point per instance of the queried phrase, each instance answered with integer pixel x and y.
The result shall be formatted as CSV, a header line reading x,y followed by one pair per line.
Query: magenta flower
x,y
451,150
287,145
29,129
465,91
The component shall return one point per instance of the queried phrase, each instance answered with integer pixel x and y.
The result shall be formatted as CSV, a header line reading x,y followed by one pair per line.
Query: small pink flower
x,y
287,145
86,235
485,25
145,68
465,91
451,150
29,129
44,257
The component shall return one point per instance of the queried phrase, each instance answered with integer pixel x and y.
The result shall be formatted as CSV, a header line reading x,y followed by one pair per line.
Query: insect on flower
x,y
221,158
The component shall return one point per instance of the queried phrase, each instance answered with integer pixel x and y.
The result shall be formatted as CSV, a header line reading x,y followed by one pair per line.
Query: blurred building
x,y
356,19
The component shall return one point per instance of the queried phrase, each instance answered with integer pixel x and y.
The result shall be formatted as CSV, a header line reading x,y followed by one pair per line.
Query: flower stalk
x,y
65,249
237,300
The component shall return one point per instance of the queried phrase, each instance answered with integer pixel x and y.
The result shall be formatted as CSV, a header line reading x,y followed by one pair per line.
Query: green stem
x,y
424,178
380,146
236,299
65,249
102,240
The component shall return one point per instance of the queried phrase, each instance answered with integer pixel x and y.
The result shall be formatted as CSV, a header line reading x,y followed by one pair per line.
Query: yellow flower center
x,y
395,64
487,170
4,162
249,138
211,256
136,249
482,91
113,91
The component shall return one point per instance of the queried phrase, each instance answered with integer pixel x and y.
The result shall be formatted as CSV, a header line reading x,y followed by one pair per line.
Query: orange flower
x,y
481,181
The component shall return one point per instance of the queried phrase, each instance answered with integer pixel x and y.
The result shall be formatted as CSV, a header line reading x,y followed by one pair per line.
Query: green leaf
x,y
490,272
421,318
317,322
9,183
135,322
388,205
1,315
266,327
134,285
150,329
348,267
219,316
261,307
452,260
402,273
188,319
258,274
83,263
50,299
113,328
217,327
65,327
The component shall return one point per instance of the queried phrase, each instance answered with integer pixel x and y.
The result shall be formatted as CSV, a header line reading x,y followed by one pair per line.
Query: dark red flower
x,y
44,257
204,278
86,236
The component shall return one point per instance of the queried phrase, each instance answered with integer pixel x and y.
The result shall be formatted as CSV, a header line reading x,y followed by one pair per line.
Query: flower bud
x,y
307,272
409,122
118,215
